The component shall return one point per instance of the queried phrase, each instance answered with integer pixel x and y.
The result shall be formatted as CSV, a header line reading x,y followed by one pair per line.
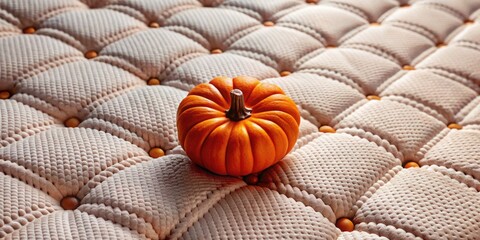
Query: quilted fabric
x,y
89,91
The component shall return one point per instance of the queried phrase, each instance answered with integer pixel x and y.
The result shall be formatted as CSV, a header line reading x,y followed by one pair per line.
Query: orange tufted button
x,y
468,21
408,67
154,25
405,5
216,51
345,224
153,81
411,165
373,97
441,44
268,23
327,129
156,152
331,46
312,1
285,73
29,30
4,95
72,122
91,54
455,126
251,179
374,24
70,203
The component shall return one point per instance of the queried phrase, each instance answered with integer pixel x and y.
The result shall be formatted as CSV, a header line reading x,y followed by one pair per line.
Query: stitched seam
x,y
352,9
46,191
211,192
181,29
444,8
297,200
331,73
373,50
373,189
416,28
298,26
124,33
41,100
111,209
43,127
127,161
243,10
408,102
451,71
468,44
436,167
241,49
395,154
56,11
384,235
240,34
445,166
48,63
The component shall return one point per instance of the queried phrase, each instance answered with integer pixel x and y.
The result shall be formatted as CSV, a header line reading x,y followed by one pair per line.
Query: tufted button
x,y
268,24
345,224
91,54
327,129
405,5
468,21
216,51
331,46
29,30
311,1
374,24
373,97
70,203
153,81
72,122
455,126
156,152
5,95
441,44
154,25
251,179
285,73
411,165
408,67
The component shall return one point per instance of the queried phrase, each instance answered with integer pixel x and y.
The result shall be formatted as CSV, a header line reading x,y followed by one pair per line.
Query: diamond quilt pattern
x,y
89,92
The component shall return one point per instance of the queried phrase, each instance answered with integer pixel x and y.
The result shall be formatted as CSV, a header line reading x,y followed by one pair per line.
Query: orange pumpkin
x,y
237,126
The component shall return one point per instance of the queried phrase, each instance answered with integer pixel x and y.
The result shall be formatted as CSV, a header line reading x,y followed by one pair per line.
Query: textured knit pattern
x,y
89,91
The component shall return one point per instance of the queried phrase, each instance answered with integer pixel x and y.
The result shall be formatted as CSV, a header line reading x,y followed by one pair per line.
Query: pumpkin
x,y
237,126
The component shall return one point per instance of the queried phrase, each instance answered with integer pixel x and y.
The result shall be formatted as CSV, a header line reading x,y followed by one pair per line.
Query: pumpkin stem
x,y
237,111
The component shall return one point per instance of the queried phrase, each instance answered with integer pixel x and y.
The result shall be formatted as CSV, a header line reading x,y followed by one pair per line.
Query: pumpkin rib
x,y
209,91
274,90
235,160
288,121
276,144
243,83
224,85
267,162
278,105
213,141
212,124
186,122
198,101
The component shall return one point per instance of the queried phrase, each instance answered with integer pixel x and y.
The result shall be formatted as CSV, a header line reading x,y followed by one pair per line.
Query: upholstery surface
x,y
89,87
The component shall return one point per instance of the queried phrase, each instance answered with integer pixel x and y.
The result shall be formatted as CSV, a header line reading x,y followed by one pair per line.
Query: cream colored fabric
x,y
421,57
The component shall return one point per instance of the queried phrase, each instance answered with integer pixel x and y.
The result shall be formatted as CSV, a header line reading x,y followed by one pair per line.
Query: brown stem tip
x,y
237,111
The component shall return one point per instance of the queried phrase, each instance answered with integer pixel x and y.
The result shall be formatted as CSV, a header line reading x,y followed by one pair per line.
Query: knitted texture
x,y
89,91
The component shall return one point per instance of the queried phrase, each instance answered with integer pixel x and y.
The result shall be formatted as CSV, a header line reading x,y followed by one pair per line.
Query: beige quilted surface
x,y
379,84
